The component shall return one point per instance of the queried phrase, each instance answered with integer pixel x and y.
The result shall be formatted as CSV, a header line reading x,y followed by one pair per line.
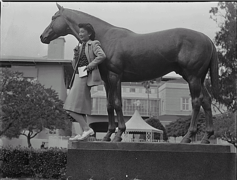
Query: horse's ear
x,y
59,7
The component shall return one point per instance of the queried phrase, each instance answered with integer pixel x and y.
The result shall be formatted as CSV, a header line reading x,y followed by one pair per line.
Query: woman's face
x,y
84,35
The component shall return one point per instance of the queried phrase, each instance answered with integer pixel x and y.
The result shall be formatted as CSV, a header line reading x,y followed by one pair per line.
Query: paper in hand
x,y
81,71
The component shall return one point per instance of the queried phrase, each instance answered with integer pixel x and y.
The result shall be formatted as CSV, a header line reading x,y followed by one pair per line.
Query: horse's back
x,y
146,56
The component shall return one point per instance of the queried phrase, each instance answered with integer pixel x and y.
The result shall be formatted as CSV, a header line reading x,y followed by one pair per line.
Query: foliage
x,y
181,125
224,123
29,107
26,162
154,122
225,127
230,138
225,40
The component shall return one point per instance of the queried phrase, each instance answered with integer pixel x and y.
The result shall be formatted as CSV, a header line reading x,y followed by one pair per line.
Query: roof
x,y
137,124
180,81
21,60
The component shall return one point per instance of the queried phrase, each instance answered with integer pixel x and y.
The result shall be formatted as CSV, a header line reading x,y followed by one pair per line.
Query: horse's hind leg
x,y
115,83
110,110
206,104
196,95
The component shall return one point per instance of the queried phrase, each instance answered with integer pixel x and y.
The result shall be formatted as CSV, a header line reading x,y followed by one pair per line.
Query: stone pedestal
x,y
149,161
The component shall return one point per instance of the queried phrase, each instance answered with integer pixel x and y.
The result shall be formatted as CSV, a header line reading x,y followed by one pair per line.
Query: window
x,y
185,104
130,105
100,88
132,89
94,88
99,106
162,106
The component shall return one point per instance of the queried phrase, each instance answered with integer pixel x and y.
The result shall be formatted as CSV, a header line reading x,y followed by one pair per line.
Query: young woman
x,y
78,102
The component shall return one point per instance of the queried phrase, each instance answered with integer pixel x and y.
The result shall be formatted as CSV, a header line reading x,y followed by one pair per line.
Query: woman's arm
x,y
99,53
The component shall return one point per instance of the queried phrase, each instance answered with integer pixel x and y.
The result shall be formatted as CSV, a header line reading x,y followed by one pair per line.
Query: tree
x,y
5,77
154,122
225,40
224,123
225,128
147,86
29,107
181,125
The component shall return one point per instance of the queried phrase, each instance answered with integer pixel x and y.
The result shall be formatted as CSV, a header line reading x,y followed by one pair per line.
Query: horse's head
x,y
57,27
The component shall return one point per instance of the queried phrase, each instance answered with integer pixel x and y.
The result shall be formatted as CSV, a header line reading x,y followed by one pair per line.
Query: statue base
x,y
149,161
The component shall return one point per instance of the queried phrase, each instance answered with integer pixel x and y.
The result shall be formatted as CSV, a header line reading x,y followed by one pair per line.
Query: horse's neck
x,y
100,26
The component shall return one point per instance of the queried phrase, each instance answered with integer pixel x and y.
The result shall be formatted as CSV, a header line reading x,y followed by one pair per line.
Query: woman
x,y
78,102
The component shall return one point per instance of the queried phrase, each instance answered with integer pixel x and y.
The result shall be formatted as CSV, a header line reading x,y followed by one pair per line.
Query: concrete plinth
x,y
149,161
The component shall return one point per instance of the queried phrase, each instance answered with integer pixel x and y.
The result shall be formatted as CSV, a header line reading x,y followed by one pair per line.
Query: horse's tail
x,y
214,72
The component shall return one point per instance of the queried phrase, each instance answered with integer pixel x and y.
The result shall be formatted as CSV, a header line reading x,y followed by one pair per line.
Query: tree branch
x,y
218,108
24,134
35,134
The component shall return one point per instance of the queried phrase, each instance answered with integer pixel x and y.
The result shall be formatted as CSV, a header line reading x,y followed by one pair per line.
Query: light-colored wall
x,y
29,71
56,48
171,95
48,75
53,76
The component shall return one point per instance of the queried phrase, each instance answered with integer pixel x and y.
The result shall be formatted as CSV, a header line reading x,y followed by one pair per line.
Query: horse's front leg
x,y
115,92
110,110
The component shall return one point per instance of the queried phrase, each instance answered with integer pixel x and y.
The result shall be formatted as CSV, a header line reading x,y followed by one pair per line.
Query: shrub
x,y
154,122
27,162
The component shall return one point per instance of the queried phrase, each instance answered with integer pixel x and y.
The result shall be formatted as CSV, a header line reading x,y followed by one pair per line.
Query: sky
x,y
22,23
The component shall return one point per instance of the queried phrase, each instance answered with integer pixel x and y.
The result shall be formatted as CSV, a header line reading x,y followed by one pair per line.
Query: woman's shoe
x,y
86,134
77,137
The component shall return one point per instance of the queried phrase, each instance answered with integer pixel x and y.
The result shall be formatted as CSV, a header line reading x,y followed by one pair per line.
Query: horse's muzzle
x,y
44,40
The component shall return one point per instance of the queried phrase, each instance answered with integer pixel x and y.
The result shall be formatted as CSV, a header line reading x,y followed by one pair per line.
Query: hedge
x,y
33,163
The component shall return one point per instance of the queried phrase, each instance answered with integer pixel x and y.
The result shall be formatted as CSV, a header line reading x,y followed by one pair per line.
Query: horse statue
x,y
133,57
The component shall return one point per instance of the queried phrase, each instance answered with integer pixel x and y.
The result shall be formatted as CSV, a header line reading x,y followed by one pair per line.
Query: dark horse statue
x,y
135,57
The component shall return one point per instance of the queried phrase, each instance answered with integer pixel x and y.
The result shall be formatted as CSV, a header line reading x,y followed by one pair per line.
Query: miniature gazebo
x,y
137,125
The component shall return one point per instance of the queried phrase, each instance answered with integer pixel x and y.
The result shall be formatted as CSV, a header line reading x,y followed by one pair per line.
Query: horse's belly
x,y
146,71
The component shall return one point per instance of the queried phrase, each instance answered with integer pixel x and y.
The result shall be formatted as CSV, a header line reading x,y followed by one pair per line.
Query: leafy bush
x,y
27,162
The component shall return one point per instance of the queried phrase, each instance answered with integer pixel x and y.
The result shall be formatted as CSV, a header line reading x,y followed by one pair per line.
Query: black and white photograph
x,y
118,91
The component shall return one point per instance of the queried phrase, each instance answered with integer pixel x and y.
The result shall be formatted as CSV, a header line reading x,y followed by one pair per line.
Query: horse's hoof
x,y
117,139
107,139
205,141
186,140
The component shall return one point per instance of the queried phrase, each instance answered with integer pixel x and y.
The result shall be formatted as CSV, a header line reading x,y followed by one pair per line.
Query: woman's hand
x,y
90,67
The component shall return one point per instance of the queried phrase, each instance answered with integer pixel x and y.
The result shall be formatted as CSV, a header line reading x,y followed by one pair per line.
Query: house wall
x,y
47,75
171,95
53,76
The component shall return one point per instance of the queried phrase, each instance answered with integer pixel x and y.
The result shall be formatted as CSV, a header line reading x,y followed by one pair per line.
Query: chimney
x,y
56,48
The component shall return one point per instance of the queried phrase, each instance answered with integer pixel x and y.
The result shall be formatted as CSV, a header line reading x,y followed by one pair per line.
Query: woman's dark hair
x,y
89,28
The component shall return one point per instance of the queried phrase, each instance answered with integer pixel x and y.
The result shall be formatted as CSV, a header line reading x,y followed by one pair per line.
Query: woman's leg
x,y
81,119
